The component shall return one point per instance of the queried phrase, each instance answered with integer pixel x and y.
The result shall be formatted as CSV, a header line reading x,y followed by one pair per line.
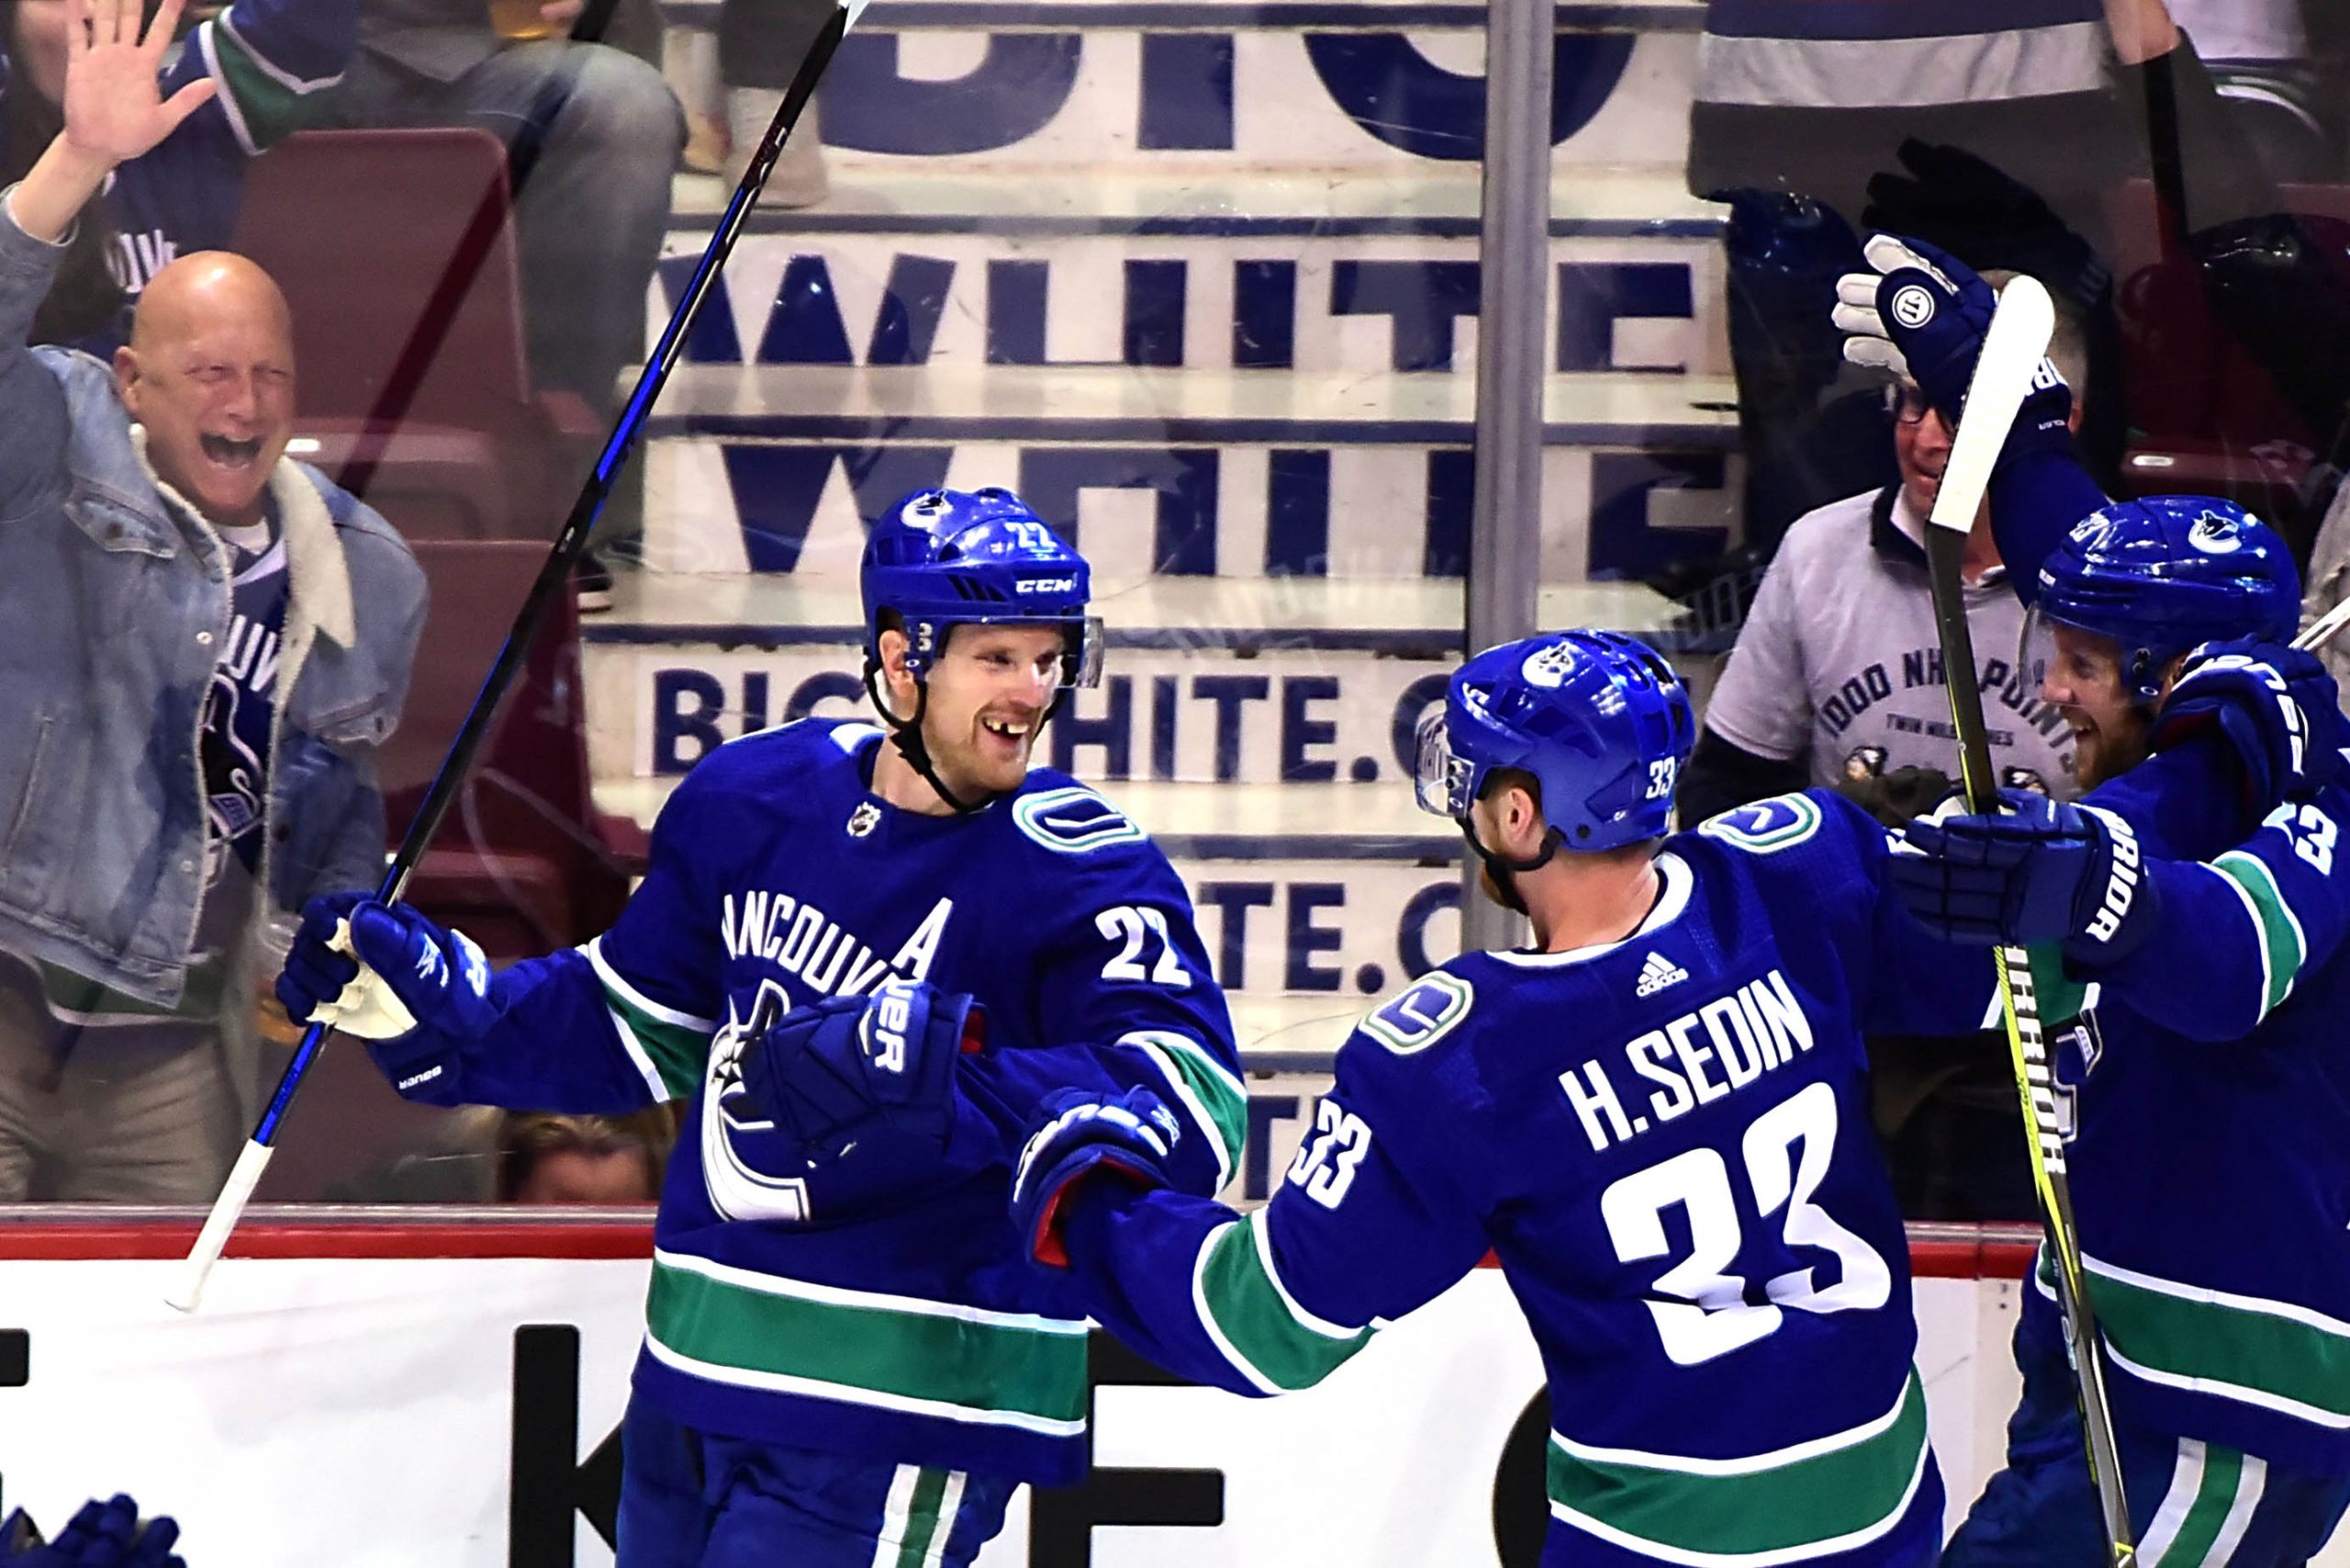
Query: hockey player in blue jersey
x,y
2207,1092
1657,1117
848,1360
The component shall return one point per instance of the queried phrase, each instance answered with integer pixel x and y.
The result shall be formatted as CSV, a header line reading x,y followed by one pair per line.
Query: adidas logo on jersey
x,y
1657,973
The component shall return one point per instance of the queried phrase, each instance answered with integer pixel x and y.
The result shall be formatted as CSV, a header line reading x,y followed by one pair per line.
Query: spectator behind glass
x,y
208,645
2259,56
760,46
1837,680
269,61
1837,676
548,1159
592,136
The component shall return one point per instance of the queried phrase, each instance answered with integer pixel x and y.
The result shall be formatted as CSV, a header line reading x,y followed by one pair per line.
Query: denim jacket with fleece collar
x,y
116,604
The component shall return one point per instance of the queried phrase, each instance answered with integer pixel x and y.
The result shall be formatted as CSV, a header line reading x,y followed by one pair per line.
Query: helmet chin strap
x,y
906,736
1502,870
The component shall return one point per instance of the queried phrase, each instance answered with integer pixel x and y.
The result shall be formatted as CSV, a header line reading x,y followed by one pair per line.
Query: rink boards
x,y
388,1412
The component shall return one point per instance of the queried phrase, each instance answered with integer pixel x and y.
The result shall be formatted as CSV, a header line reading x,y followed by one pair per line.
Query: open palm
x,y
114,106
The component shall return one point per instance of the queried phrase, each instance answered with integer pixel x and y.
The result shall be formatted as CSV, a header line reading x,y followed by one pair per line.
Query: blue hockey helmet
x,y
1599,718
2162,575
939,559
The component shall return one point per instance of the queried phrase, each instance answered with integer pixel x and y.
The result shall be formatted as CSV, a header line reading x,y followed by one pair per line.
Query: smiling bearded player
x,y
847,1360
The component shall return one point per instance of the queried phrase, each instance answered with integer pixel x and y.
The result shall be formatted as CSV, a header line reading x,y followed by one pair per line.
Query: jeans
x,y
594,136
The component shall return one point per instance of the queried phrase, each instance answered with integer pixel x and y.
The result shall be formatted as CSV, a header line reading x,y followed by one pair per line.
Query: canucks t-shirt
x,y
233,751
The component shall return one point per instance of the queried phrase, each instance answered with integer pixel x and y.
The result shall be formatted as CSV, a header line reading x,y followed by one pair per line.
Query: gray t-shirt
x,y
1839,660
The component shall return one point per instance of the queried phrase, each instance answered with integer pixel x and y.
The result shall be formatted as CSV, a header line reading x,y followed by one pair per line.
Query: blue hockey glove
x,y
102,1535
2275,704
1083,1136
2040,872
857,1067
414,993
1922,313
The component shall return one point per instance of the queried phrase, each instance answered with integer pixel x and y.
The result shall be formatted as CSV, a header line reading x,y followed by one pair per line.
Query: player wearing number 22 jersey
x,y
1657,1121
847,1360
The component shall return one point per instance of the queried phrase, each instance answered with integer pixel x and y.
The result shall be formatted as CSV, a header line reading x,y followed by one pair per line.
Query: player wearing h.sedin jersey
x,y
1657,1117
848,1359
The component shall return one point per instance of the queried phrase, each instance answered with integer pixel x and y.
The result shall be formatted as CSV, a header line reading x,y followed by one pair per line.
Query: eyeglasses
x,y
1906,403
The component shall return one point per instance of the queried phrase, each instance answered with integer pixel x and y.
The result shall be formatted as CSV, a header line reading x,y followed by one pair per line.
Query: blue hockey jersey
x,y
872,1306
1666,1142
2210,1096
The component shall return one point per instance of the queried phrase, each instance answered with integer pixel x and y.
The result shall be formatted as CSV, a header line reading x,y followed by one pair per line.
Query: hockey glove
x,y
1131,1139
858,1067
102,1535
1922,313
2275,705
416,994
2038,871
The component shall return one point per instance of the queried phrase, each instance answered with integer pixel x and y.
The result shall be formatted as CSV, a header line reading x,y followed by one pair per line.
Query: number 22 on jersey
x,y
1786,1153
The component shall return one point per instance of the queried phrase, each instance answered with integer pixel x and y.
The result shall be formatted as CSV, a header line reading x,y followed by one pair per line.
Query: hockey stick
x,y
554,578
2004,373
2324,629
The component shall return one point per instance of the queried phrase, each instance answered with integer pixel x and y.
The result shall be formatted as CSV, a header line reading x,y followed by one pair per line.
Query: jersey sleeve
x,y
1761,704
627,1020
1914,984
2232,934
2035,500
1366,1228
273,59
1125,997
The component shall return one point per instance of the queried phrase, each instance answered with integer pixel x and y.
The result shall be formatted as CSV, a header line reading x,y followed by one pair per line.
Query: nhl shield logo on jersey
x,y
864,820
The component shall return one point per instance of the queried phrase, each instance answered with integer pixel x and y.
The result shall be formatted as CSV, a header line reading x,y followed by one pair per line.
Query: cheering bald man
x,y
207,643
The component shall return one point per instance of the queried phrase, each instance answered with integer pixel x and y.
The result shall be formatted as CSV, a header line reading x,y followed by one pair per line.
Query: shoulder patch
x,y
1073,821
1421,1014
1765,827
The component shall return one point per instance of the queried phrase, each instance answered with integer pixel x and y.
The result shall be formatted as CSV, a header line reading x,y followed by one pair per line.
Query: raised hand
x,y
2276,705
115,109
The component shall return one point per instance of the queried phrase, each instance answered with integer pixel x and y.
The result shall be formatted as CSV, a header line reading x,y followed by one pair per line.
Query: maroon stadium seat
x,y
396,250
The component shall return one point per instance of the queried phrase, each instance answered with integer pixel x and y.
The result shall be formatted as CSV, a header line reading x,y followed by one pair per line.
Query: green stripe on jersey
x,y
2281,945
2270,1354
1242,1304
1825,1495
1201,1084
668,1048
896,1352
267,109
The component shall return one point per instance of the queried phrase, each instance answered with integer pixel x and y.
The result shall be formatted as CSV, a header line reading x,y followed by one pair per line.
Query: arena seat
x,y
396,250
2206,418
519,862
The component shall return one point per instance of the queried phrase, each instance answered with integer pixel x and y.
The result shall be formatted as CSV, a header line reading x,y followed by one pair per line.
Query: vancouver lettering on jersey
x,y
1695,1060
802,939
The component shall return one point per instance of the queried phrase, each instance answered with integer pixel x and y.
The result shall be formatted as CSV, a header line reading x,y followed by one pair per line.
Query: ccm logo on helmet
x,y
1046,584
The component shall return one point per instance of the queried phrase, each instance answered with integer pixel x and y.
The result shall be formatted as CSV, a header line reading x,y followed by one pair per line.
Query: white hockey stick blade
x,y
2012,350
213,1239
2324,628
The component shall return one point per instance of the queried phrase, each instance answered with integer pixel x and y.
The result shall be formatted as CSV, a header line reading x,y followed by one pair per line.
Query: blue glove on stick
x,y
2040,872
415,993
